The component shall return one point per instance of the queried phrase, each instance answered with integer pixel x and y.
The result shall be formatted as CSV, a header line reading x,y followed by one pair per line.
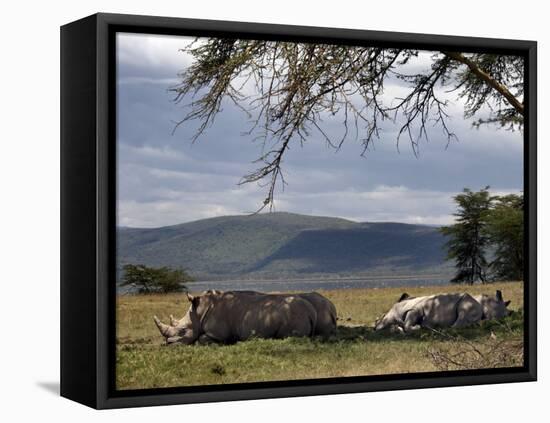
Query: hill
x,y
278,245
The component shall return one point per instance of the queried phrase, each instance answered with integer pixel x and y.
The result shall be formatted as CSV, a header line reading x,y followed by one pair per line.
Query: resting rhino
x,y
325,309
227,317
442,310
326,313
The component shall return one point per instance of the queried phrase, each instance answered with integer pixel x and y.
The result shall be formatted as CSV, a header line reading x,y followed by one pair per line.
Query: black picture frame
x,y
88,198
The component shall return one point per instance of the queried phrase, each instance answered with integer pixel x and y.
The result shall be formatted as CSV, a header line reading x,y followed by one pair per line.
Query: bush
x,y
150,279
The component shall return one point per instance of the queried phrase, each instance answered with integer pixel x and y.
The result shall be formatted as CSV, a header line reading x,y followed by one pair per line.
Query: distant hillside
x,y
277,245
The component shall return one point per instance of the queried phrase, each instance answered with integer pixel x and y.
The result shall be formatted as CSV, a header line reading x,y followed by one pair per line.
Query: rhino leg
x,y
397,329
465,319
413,321
468,312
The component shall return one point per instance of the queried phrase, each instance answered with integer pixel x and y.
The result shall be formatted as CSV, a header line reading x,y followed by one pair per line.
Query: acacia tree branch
x,y
488,79
296,85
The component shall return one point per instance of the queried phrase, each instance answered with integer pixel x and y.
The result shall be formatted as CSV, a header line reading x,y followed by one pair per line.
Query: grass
x,y
144,362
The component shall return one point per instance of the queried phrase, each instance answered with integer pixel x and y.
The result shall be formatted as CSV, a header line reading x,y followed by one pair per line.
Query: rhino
x,y
326,313
228,317
325,309
442,310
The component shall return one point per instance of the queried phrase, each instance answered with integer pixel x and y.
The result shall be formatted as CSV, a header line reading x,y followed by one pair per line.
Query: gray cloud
x,y
166,179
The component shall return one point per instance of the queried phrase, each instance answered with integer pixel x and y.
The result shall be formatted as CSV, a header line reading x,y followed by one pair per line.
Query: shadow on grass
x,y
510,324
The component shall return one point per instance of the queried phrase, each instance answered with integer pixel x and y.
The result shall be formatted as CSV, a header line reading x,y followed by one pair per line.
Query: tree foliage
x,y
486,226
468,239
288,89
505,231
150,279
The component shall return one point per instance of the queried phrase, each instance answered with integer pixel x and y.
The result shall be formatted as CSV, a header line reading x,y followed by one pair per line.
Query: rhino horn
x,y
165,330
499,295
173,321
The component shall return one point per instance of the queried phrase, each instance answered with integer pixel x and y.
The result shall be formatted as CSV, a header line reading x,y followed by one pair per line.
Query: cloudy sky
x,y
165,179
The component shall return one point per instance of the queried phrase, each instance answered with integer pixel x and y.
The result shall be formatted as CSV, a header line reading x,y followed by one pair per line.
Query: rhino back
x,y
326,313
442,309
239,316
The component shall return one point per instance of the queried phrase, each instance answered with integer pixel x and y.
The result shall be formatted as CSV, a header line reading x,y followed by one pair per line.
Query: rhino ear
x,y
403,296
507,303
193,299
499,295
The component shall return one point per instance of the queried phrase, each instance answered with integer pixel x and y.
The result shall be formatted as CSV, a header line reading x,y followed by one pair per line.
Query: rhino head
x,y
494,307
188,329
393,316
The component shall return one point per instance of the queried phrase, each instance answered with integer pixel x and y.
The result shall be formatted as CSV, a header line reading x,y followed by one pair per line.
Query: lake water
x,y
318,284
314,284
